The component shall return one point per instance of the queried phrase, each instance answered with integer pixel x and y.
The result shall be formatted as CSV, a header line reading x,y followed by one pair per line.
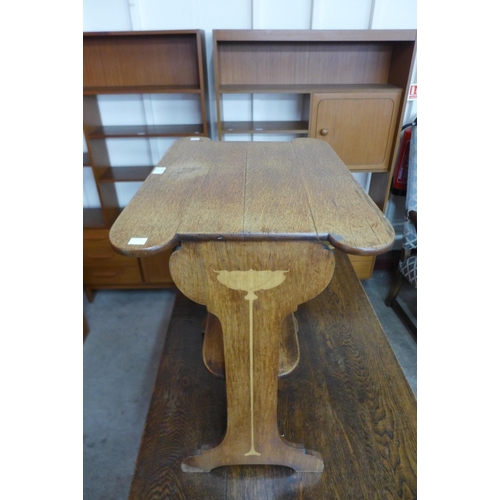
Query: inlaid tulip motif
x,y
251,281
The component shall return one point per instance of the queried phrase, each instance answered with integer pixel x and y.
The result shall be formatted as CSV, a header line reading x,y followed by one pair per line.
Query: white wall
x,y
123,15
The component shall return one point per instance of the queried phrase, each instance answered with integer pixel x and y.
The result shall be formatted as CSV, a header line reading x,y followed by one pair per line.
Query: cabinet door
x,y
155,268
360,126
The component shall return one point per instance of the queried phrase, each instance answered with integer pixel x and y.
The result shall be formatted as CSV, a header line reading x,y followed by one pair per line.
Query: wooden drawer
x,y
97,250
363,265
111,275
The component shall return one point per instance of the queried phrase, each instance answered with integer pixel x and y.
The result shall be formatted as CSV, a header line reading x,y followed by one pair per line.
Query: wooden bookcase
x,y
138,63
353,84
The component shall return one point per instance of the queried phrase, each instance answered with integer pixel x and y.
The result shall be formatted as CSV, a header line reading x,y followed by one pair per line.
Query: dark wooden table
x,y
256,225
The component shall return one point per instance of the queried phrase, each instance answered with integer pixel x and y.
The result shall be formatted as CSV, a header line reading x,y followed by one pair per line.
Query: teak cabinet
x,y
135,63
355,84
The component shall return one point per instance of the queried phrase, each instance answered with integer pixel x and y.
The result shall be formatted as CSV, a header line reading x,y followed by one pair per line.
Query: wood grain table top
x,y
211,190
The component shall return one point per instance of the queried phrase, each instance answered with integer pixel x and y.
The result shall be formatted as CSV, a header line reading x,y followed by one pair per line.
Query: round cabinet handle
x,y
324,131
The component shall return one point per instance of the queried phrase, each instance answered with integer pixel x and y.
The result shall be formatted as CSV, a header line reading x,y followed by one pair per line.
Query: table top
x,y
225,190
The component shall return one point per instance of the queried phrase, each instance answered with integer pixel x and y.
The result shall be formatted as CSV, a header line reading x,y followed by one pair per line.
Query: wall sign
x,y
412,96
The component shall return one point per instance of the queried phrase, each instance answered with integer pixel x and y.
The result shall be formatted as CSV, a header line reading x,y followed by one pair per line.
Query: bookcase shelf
x,y
124,174
265,127
134,131
300,88
144,89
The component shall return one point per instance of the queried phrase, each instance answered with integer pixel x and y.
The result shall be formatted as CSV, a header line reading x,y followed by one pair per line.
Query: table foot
x,y
282,453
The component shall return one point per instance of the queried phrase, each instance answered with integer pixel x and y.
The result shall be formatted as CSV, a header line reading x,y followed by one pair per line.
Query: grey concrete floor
x,y
120,359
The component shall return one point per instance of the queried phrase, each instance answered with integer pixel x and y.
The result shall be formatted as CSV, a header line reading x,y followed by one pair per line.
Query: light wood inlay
x,y
251,281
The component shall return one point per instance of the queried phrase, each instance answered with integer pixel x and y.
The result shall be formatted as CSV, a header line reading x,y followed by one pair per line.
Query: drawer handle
x,y
324,131
100,257
105,274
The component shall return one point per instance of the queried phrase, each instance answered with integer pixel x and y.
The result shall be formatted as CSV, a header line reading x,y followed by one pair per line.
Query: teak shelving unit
x,y
355,81
137,62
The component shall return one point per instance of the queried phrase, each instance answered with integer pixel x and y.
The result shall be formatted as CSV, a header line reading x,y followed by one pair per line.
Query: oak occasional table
x,y
254,226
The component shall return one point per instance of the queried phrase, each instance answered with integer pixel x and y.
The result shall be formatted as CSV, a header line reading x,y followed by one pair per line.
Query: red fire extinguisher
x,y
400,179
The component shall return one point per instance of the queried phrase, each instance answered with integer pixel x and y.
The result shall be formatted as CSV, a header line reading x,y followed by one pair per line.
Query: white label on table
x,y
137,241
195,138
159,170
